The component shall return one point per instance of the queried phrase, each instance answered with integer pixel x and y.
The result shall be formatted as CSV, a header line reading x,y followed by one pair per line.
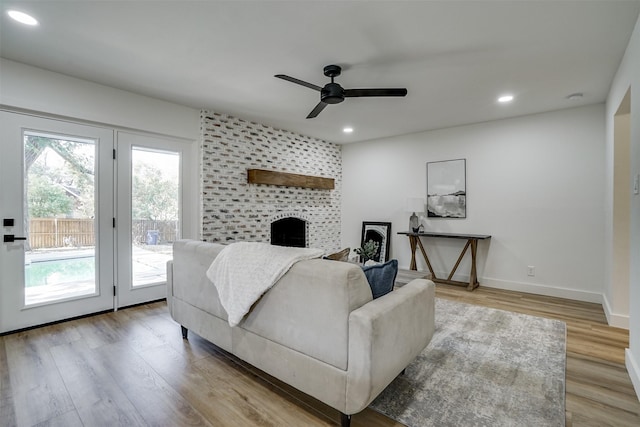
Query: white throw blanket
x,y
243,271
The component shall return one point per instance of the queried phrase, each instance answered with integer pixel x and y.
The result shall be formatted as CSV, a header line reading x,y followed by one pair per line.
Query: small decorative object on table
x,y
415,204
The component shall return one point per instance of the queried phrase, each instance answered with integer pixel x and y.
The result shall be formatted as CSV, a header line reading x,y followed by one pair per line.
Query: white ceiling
x,y
454,57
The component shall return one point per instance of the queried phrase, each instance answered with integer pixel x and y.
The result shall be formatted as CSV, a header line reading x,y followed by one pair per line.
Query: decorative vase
x,y
414,223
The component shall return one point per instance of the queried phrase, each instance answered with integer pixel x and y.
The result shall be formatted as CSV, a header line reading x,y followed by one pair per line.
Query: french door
x,y
56,207
89,215
149,214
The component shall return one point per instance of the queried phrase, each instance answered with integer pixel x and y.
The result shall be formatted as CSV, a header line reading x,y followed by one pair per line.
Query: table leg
x,y
473,277
455,267
426,258
412,242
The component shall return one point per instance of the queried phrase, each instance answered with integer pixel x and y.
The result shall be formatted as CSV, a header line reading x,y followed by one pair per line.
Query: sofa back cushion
x,y
343,255
308,309
191,259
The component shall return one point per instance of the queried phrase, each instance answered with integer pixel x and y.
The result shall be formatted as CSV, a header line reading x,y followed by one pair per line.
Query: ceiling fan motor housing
x,y
332,93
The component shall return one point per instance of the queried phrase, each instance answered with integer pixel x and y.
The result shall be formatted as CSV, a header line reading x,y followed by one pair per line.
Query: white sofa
x,y
317,329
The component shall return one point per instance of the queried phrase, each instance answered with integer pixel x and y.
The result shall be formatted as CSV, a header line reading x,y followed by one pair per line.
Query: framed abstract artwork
x,y
447,189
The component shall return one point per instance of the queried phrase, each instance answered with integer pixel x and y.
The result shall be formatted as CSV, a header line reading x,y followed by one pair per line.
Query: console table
x,y
472,241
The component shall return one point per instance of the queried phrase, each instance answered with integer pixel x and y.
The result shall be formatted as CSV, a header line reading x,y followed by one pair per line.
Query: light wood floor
x,y
132,368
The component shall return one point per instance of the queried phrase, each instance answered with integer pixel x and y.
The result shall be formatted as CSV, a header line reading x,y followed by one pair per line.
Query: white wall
x,y
628,76
535,183
30,88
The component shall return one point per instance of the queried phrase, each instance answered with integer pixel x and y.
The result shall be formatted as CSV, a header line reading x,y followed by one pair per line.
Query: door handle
x,y
9,238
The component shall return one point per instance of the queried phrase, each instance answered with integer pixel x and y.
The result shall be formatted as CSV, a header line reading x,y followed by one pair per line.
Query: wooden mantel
x,y
263,176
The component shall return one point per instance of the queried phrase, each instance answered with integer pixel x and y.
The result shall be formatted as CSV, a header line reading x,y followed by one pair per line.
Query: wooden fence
x,y
69,232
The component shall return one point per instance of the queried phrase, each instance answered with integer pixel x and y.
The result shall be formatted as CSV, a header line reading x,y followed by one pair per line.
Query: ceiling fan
x,y
333,93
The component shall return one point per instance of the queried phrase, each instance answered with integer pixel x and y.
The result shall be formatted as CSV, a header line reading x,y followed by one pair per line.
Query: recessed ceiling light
x,y
347,130
22,17
505,98
575,96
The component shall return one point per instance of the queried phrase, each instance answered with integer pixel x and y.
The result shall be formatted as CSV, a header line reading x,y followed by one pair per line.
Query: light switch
x,y
636,184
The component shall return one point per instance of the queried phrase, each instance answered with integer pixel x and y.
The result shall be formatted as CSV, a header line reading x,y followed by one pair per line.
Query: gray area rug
x,y
483,367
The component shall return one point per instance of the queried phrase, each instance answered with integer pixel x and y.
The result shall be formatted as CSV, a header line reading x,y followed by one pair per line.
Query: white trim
x,y
633,370
532,288
552,291
613,319
289,214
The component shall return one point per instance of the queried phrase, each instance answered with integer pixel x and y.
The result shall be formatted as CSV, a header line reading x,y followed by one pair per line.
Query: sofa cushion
x,y
314,295
381,277
343,255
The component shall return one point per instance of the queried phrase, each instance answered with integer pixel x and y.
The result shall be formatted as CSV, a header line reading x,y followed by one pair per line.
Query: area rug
x,y
483,367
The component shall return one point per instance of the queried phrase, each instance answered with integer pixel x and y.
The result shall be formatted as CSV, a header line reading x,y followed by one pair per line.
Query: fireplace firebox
x,y
289,232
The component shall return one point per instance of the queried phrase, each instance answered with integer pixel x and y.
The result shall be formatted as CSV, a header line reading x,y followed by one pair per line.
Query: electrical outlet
x,y
531,270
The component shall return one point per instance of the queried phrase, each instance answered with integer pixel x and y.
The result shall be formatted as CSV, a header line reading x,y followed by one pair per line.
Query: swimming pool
x,y
58,271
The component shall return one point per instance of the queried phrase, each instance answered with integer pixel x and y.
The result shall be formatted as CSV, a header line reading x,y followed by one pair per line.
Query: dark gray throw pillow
x,y
381,277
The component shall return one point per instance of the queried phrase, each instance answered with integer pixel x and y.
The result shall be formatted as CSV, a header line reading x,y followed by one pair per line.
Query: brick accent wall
x,y
233,210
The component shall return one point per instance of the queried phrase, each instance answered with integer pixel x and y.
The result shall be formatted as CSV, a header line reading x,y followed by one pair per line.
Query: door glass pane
x,y
154,211
59,217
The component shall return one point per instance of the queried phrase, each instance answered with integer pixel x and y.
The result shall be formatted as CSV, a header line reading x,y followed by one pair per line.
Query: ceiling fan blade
x,y
318,108
298,81
352,93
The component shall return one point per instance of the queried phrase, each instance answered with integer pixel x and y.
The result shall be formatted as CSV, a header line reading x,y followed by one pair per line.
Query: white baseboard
x,y
614,319
633,370
538,289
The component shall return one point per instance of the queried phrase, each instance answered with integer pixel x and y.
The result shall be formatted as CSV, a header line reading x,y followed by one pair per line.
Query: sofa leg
x,y
185,332
403,371
345,420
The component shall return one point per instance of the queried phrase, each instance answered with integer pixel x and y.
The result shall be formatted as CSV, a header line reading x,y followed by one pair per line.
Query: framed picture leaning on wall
x,y
379,232
447,189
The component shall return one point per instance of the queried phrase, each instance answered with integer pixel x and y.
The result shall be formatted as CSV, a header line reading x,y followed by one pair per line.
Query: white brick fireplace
x,y
233,210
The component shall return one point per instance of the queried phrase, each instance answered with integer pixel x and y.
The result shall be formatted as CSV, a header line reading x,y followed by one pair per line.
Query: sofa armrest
x,y
385,335
169,284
